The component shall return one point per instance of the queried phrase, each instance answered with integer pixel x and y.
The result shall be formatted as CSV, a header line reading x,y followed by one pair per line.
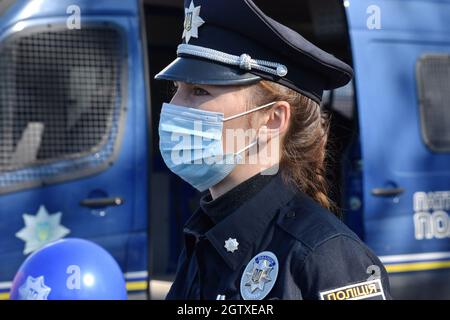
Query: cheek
x,y
217,105
211,105
236,134
231,103
234,131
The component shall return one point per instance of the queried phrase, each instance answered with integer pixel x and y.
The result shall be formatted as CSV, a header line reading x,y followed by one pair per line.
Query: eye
x,y
199,91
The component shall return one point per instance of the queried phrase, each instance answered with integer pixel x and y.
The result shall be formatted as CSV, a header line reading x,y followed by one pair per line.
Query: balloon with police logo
x,y
69,269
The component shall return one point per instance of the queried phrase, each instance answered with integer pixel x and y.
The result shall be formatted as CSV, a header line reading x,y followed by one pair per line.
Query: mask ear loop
x,y
248,146
238,154
249,111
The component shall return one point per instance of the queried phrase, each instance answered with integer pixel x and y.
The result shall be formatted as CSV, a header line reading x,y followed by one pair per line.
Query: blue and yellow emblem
x,y
259,276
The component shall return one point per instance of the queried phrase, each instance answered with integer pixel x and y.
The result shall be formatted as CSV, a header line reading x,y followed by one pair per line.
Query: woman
x,y
251,132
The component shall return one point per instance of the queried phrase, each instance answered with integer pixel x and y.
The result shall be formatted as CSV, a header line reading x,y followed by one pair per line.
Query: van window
x,y
433,83
60,97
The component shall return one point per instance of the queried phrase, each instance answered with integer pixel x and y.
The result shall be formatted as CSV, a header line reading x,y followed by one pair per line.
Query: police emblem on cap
x,y
259,276
192,22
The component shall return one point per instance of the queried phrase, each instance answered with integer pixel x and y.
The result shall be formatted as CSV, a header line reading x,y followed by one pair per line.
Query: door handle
x,y
102,202
387,192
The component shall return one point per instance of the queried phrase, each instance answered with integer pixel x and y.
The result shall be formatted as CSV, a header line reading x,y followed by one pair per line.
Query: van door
x,y
402,64
73,130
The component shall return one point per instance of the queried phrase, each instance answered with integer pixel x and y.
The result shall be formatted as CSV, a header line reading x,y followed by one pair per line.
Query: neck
x,y
240,173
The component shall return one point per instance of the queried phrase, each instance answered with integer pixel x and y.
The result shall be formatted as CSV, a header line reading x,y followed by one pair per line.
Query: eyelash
x,y
195,90
204,92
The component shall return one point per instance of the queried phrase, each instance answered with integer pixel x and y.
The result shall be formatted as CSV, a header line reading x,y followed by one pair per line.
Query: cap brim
x,y
199,71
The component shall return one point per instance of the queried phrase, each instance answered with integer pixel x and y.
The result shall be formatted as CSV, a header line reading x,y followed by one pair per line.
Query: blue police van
x,y
79,112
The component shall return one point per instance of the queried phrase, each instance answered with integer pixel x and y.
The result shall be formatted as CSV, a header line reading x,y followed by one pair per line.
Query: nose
x,y
178,101
181,96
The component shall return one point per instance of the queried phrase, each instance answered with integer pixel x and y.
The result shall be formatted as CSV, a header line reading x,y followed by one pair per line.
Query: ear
x,y
271,133
278,117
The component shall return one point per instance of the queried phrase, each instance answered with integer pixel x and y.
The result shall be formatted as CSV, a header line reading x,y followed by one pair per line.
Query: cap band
x,y
244,61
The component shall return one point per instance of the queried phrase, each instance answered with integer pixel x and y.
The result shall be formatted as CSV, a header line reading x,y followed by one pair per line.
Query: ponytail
x,y
303,151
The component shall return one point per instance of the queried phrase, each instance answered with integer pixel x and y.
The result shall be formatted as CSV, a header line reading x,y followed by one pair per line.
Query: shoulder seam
x,y
336,233
311,251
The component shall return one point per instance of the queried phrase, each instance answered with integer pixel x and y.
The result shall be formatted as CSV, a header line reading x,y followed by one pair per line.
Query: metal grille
x,y
60,98
433,79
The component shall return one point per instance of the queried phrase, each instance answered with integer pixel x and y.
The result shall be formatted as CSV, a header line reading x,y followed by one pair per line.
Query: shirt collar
x,y
195,227
249,222
219,208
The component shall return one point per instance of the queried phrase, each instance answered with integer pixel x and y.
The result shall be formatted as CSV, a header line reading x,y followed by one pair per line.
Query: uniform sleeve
x,y
176,288
342,268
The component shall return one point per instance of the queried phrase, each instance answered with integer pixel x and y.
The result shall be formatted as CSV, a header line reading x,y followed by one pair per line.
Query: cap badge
x,y
192,22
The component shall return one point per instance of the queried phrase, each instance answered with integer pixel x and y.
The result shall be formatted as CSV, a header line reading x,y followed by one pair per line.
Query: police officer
x,y
264,229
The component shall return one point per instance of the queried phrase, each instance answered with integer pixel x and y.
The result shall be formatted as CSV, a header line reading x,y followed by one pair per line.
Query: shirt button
x,y
291,214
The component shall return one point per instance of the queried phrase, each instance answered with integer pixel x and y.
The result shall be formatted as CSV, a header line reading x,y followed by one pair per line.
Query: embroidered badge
x,y
259,276
367,290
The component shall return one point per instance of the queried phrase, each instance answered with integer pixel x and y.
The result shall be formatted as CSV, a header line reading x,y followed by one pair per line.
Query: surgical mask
x,y
190,141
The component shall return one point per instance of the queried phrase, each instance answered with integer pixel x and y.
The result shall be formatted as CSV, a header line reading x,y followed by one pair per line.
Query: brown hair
x,y
303,154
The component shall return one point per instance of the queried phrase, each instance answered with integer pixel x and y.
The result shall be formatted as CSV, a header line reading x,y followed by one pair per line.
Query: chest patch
x,y
259,276
368,290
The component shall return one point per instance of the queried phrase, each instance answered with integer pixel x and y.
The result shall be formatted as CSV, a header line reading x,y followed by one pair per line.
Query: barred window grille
x,y
60,100
433,80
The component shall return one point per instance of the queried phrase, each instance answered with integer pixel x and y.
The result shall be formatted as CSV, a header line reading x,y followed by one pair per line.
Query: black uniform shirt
x,y
318,256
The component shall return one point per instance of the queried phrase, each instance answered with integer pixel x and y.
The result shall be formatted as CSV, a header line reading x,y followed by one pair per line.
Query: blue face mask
x,y
190,141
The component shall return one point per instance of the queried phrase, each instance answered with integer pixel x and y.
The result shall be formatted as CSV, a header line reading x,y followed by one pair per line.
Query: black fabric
x,y
239,26
315,250
222,206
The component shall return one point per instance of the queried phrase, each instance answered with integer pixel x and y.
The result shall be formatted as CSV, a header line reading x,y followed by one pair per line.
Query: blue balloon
x,y
69,269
